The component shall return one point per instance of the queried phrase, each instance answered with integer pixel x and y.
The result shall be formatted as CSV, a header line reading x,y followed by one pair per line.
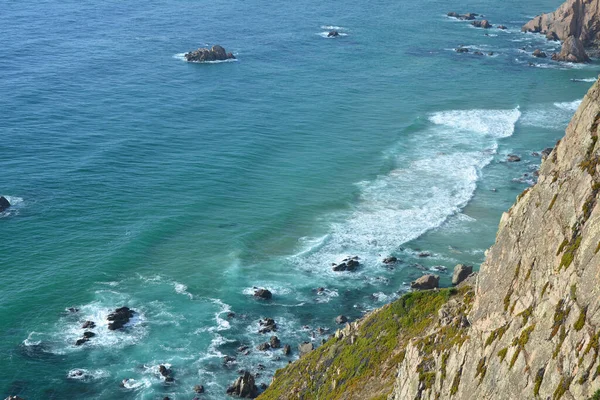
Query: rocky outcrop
x,y
347,264
119,318
539,54
264,294
572,51
578,18
482,24
244,387
464,17
426,282
333,34
526,327
216,53
4,204
461,272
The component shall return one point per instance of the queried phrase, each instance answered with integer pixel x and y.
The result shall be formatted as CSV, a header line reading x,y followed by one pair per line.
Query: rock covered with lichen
x,y
529,328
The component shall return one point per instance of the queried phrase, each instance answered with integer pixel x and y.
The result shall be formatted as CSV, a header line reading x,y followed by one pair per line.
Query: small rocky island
x,y
215,53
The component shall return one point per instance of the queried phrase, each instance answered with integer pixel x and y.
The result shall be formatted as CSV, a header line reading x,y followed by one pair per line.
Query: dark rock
x,y
333,34
468,16
169,379
552,36
347,264
263,386
453,14
341,319
287,350
229,359
478,53
263,347
275,342
491,53
119,318
164,371
268,325
461,272
513,158
241,349
426,282
539,54
502,27
244,387
81,341
481,24
4,203
546,152
305,348
424,254
70,309
230,315
14,398
88,334
572,51
263,294
88,325
439,268
198,389
216,53
390,260
462,50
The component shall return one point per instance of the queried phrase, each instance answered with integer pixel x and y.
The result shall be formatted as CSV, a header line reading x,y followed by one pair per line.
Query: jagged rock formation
x,y
528,325
579,18
216,53
572,51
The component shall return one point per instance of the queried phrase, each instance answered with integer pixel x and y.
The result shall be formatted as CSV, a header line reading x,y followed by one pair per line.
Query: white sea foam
x,y
569,105
16,204
435,176
333,27
584,80
81,374
182,289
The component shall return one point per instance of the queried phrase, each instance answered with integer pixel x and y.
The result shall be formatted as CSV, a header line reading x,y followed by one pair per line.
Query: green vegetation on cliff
x,y
363,363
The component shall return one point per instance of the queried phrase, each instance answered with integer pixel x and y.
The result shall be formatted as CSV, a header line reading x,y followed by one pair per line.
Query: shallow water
x,y
138,179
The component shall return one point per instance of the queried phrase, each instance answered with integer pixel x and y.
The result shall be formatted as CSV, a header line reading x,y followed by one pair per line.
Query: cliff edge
x,y
527,327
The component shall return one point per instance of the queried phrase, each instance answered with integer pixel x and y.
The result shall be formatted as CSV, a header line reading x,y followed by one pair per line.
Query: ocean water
x,y
138,179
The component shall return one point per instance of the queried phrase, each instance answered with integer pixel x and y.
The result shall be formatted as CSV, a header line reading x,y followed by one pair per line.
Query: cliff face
x,y
527,327
578,18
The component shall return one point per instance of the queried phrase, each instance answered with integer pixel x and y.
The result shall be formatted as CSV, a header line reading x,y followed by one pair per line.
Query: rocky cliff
x,y
527,327
577,18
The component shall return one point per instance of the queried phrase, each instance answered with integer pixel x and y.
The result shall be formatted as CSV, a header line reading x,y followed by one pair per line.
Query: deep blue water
x,y
139,179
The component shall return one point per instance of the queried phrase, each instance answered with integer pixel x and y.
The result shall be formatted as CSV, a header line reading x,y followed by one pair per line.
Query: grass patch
x,y
552,202
580,323
539,377
502,354
520,343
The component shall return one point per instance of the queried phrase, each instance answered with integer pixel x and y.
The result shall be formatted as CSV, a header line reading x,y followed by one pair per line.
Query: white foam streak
x,y
569,105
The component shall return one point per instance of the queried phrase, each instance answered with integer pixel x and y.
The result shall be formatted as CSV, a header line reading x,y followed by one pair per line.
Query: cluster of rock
x,y
166,373
119,318
4,204
333,34
216,53
347,264
264,294
244,387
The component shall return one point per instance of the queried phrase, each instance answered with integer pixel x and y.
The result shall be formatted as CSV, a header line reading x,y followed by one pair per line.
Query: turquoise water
x,y
138,179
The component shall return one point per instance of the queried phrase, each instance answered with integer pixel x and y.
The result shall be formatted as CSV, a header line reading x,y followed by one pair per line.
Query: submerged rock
x,y
333,34
513,158
4,203
119,318
244,387
462,50
426,282
390,260
539,54
461,272
216,53
572,51
502,27
88,325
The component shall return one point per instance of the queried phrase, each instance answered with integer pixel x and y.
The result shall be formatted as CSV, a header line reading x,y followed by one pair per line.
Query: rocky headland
x,y
527,326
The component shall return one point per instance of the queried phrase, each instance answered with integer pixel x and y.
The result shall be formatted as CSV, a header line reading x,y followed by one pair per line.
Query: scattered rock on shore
x,y
244,387
216,53
461,272
426,282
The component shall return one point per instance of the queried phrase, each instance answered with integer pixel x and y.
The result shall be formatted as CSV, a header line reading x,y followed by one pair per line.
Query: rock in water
x,y
482,24
333,34
287,350
244,387
119,318
341,319
462,50
426,282
513,158
263,294
275,342
572,51
539,54
216,53
4,204
199,389
461,272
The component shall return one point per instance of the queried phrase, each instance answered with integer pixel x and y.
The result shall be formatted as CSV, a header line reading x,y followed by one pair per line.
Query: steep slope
x,y
532,326
578,18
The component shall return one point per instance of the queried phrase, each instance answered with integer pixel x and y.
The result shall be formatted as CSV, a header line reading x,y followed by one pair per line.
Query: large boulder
x,y
482,24
573,18
347,264
426,282
244,387
120,317
572,51
461,272
539,53
4,204
216,53
305,348
341,319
